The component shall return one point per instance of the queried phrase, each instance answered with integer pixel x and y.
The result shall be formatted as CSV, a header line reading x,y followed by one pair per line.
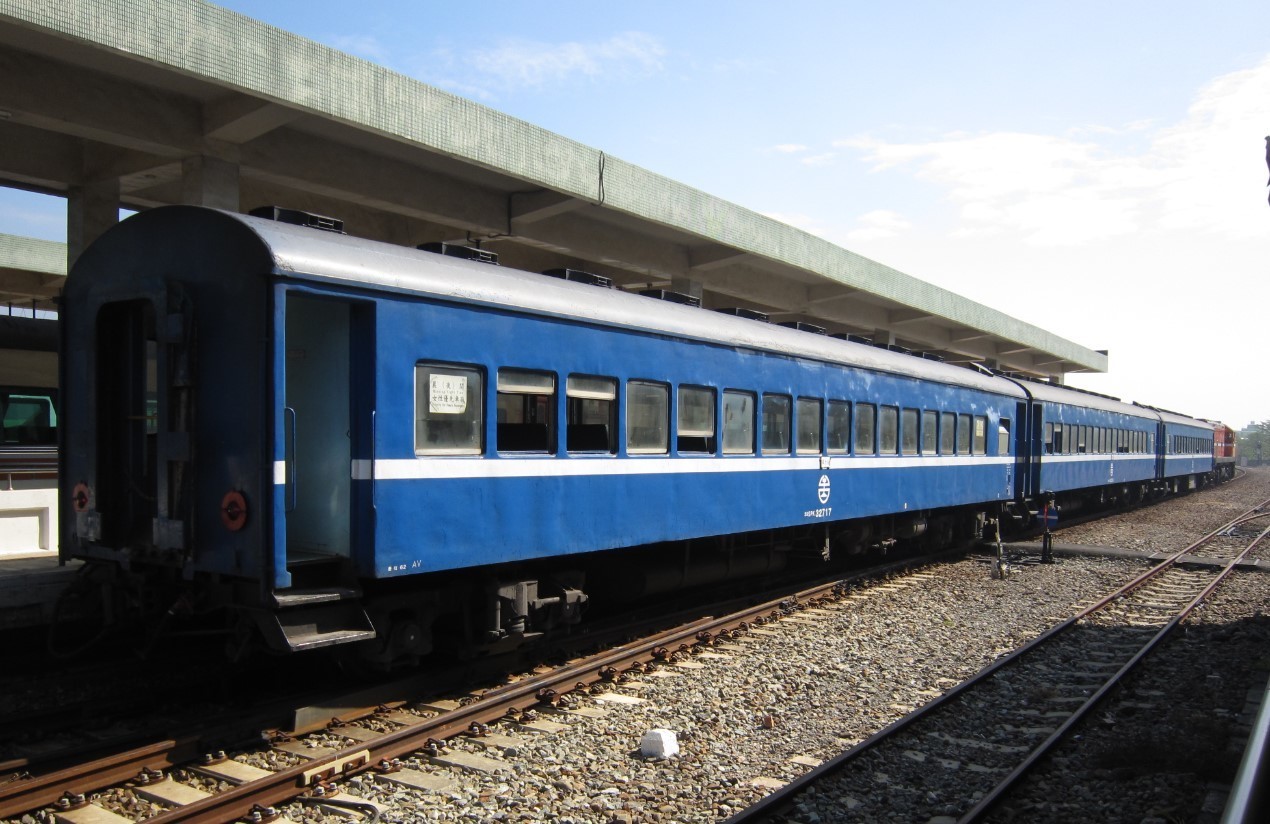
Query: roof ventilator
x,y
464,252
579,276
297,217
673,297
805,327
748,314
852,338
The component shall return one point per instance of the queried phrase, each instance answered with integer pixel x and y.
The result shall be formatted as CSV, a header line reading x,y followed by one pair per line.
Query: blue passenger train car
x,y
1186,446
348,442
1089,441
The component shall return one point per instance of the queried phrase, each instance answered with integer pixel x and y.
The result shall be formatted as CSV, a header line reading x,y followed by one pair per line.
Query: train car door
x,y
1026,443
327,422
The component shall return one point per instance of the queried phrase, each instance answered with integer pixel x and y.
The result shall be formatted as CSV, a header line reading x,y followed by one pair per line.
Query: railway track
x,y
1036,697
374,736
363,738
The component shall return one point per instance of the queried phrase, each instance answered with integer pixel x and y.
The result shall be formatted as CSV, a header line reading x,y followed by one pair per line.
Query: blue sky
x,y
1094,168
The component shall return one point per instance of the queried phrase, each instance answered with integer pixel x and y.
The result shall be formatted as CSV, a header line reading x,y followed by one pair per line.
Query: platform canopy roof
x,y
150,102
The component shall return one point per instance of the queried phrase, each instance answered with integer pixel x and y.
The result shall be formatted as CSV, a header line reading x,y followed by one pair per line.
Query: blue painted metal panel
x,y
1178,463
439,523
1061,473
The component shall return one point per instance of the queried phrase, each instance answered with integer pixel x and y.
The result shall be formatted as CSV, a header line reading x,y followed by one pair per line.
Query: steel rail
x,y
23,790
21,795
989,801
781,797
1250,795
288,784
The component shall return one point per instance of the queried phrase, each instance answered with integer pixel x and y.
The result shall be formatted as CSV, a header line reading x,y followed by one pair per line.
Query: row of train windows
x,y
1075,439
1190,445
449,419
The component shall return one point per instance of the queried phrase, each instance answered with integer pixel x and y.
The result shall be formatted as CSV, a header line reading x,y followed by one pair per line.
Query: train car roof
x,y
316,255
1185,420
1052,393
309,253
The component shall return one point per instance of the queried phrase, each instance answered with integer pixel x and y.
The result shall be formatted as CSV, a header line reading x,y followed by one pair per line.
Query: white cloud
x,y
1201,174
789,148
822,159
525,63
878,225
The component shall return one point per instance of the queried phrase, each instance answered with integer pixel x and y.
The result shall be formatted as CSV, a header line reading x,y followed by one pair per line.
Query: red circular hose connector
x,y
80,497
233,511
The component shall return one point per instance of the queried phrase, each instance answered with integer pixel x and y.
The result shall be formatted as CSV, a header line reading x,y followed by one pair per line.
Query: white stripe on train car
x,y
479,467
1057,459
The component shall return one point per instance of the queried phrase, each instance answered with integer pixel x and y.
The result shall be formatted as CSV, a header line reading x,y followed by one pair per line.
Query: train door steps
x,y
312,618
284,599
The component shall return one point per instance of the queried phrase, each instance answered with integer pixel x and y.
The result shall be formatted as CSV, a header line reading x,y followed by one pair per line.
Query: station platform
x,y
30,587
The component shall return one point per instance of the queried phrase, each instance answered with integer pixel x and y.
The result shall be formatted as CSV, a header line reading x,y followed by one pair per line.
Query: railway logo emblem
x,y
822,491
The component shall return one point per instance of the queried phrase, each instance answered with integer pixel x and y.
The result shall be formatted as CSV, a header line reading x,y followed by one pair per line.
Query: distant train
x,y
338,441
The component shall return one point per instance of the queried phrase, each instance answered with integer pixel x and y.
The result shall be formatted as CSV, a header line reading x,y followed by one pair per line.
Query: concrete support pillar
x,y
686,286
1059,380
883,337
210,181
91,209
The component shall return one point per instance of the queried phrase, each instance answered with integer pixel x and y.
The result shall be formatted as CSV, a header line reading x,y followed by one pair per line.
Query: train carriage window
x,y
963,434
1123,442
695,420
888,430
839,434
738,423
647,418
1003,437
809,424
1049,438
865,420
981,435
1082,436
929,432
908,432
448,409
947,433
591,406
526,411
776,424
1100,439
